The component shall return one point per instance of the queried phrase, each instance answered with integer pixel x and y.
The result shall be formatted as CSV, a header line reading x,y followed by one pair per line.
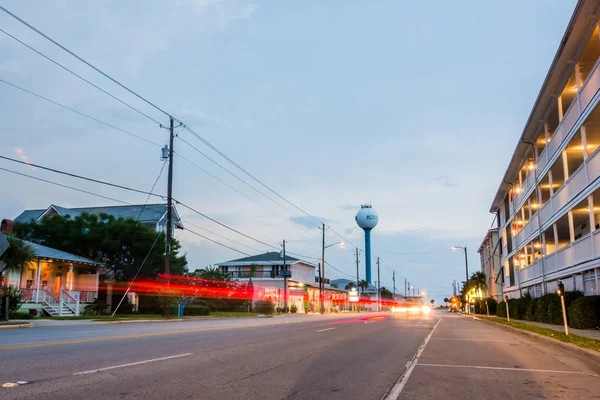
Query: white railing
x,y
550,263
69,301
564,257
588,91
583,249
546,213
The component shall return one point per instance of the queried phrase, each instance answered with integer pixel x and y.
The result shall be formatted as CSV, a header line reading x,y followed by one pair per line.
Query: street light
x,y
341,244
322,271
454,248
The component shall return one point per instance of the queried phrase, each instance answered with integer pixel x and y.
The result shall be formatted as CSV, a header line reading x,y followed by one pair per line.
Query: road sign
x,y
353,297
285,274
3,244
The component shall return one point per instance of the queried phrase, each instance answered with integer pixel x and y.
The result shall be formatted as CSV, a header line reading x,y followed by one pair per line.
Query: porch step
x,y
55,311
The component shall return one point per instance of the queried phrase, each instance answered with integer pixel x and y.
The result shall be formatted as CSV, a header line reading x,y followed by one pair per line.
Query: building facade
x,y
269,284
548,203
489,252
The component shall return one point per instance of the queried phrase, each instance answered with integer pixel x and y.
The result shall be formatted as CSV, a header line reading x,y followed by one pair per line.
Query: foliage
x,y
196,310
584,313
120,243
385,293
95,308
19,315
17,255
501,309
14,295
264,307
580,341
293,309
350,285
363,285
446,300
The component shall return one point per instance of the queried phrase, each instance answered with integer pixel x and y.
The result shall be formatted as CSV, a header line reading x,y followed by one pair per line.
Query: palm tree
x,y
478,281
363,285
350,285
446,300
17,256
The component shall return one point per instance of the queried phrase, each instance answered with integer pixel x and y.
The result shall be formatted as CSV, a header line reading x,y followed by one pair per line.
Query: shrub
x,y
19,315
492,305
196,310
264,307
293,309
584,313
14,297
279,310
554,310
501,309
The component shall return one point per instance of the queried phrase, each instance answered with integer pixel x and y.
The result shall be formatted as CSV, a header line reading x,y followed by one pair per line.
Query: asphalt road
x,y
366,356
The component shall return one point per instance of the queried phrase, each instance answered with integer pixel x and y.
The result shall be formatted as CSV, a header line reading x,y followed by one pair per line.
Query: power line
x,y
206,142
238,178
84,61
343,273
68,70
65,186
80,177
79,112
224,225
222,237
214,241
151,190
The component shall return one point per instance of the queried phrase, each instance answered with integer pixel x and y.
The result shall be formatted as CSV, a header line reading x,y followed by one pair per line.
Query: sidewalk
x,y
592,334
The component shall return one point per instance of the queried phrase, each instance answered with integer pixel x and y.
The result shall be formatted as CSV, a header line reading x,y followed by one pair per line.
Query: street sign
x,y
285,274
3,244
353,297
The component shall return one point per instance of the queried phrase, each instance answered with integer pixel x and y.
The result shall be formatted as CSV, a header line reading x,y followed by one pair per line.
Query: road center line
x,y
131,364
326,329
550,371
474,340
394,393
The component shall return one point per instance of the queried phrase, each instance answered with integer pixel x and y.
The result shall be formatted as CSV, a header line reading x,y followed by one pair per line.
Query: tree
x,y
16,257
432,301
122,244
386,294
350,285
363,284
446,300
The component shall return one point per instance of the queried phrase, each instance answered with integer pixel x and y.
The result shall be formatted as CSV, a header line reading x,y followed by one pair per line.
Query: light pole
x,y
322,271
454,248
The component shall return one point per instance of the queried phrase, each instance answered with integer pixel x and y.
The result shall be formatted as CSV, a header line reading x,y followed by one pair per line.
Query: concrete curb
x,y
546,339
138,321
16,326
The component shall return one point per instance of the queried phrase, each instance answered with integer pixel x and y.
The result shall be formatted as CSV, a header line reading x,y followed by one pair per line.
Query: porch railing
x,y
68,300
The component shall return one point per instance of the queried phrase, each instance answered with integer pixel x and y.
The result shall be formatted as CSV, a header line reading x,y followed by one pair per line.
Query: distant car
x,y
411,309
452,309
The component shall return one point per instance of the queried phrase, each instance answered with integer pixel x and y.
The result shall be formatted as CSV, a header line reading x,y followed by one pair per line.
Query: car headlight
x,y
426,309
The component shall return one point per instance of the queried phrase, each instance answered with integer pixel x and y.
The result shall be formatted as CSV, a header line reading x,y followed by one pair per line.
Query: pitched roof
x,y
150,213
49,253
270,258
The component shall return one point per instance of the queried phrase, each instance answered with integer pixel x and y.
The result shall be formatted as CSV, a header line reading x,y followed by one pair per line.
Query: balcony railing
x,y
255,274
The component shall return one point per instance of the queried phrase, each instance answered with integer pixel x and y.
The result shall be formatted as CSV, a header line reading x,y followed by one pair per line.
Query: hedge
x,y
196,310
584,313
264,307
19,315
480,307
546,309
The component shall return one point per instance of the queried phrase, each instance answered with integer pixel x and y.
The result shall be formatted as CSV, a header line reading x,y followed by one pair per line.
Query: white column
x,y
560,108
592,216
70,287
37,280
571,228
565,165
578,84
584,142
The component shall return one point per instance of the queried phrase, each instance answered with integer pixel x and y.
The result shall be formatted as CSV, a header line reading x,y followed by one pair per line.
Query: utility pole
x,y
169,202
320,292
378,287
322,283
394,283
357,269
285,297
405,282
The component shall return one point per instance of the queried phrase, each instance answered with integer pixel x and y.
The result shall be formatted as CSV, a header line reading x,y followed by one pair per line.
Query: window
x,y
574,154
592,130
558,174
544,190
589,283
536,249
590,55
581,219
564,231
504,240
540,143
548,236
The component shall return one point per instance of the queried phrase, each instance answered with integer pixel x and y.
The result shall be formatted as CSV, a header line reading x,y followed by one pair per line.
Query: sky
x,y
414,107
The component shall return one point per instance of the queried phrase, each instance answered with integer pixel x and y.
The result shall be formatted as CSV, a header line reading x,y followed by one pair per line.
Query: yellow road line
x,y
141,335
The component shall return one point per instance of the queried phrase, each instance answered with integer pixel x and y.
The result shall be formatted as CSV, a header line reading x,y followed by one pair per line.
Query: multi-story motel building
x,y
548,203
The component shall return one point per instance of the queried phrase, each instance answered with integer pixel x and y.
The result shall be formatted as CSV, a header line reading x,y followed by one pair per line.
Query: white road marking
x,y
502,368
326,329
394,393
131,364
475,340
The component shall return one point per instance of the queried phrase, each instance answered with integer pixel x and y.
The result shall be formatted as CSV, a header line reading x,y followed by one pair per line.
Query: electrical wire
x,y
65,186
79,112
214,241
343,273
80,176
151,190
84,61
222,237
70,71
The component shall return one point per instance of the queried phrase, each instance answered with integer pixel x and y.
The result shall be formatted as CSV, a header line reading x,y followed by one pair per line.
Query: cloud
x,y
445,180
225,11
306,222
350,207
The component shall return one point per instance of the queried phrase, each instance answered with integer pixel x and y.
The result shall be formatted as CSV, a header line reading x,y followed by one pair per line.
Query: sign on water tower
x,y
367,219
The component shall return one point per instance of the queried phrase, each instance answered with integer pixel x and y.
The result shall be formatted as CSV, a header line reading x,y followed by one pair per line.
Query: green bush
x,y
196,310
264,307
584,313
501,309
19,315
293,309
492,305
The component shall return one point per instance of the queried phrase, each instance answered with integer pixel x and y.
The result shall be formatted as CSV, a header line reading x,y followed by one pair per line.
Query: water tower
x,y
367,219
